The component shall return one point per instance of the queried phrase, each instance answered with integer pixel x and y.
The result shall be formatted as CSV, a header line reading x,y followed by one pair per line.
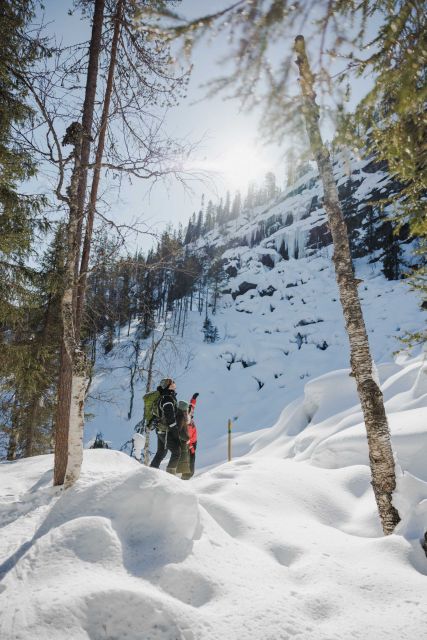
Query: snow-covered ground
x,y
277,342
281,543
286,329
285,540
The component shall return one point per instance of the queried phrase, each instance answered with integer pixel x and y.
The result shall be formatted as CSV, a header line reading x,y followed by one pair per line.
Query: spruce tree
x,y
30,360
236,207
270,186
19,212
392,255
21,310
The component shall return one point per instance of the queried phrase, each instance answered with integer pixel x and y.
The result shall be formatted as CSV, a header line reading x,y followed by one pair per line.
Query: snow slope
x,y
259,345
279,321
282,542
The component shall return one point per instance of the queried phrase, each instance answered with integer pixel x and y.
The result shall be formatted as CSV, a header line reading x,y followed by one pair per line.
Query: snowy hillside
x,y
279,320
283,542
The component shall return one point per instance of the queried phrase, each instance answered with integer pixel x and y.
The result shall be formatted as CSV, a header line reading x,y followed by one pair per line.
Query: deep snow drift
x,y
283,542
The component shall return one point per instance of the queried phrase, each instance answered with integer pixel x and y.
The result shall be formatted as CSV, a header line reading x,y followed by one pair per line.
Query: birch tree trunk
x,y
66,385
74,374
79,378
371,398
70,403
75,434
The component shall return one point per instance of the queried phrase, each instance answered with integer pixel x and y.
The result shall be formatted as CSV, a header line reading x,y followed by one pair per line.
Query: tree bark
x,y
69,383
133,372
185,316
87,117
371,398
13,437
75,433
72,386
81,287
154,346
74,137
30,428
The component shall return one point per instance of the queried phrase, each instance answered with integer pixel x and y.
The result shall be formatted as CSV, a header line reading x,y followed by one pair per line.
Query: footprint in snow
x,y
226,520
286,555
242,463
225,475
187,586
213,487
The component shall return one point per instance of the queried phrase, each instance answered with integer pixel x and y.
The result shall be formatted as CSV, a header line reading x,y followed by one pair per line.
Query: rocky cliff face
x,y
295,225
279,316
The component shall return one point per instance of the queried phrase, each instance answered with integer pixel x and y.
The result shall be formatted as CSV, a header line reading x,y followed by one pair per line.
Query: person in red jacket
x,y
192,434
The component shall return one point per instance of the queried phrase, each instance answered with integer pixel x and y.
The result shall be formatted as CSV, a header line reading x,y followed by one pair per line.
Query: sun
x,y
242,164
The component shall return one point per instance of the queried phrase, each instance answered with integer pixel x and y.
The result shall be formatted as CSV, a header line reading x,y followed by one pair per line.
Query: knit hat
x,y
182,405
165,383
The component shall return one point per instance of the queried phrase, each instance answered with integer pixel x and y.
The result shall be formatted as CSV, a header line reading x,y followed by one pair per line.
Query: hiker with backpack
x,y
192,438
183,419
166,426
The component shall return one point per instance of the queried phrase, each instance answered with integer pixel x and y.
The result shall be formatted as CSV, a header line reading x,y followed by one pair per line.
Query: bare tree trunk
x,y
62,418
215,295
66,387
75,434
185,316
133,372
179,316
175,315
72,383
12,445
87,118
371,398
81,287
30,428
72,378
154,345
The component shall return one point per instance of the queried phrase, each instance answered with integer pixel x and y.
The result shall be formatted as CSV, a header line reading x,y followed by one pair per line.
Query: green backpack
x,y
151,409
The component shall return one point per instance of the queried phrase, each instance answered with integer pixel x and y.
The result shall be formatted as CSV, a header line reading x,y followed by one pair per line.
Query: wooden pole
x,y
229,440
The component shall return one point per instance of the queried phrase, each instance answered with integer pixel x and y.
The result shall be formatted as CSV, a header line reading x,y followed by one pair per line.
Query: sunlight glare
x,y
242,164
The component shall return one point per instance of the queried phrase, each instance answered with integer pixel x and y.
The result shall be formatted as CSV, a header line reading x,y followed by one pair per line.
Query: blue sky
x,y
227,138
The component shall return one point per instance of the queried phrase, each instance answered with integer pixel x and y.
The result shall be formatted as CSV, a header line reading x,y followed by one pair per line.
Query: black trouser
x,y
173,445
